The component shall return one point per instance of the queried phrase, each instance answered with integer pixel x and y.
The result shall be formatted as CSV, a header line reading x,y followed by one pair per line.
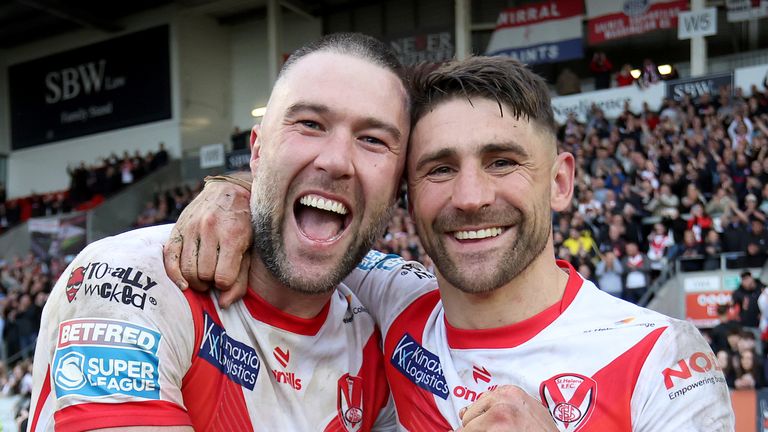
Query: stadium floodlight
x,y
259,112
635,73
665,69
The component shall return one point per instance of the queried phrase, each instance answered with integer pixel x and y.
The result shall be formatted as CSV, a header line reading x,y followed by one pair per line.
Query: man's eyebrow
x,y
303,106
374,123
443,153
508,146
368,122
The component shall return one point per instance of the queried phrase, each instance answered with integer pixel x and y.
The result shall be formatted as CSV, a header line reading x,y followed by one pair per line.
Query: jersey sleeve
x,y
115,341
386,284
681,386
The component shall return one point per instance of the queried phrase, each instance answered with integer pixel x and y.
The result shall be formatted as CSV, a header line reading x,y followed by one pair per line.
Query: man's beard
x,y
471,275
269,245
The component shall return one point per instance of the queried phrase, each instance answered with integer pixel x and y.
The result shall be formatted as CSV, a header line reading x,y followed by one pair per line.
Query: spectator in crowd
x,y
726,365
601,69
649,73
660,245
726,326
624,77
745,300
749,371
636,273
712,250
610,275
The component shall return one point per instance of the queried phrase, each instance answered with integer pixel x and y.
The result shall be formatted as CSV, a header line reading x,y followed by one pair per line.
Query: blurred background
x,y
112,112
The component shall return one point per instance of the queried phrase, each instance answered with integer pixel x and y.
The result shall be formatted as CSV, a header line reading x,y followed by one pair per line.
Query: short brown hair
x,y
502,79
352,44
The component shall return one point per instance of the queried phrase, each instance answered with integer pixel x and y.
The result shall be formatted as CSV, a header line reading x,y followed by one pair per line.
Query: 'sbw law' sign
x,y
108,85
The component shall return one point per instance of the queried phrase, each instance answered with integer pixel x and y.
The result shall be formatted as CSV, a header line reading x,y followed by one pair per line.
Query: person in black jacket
x,y
745,299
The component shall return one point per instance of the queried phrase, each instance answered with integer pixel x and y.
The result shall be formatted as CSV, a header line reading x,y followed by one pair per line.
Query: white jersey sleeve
x,y
115,342
681,386
386,284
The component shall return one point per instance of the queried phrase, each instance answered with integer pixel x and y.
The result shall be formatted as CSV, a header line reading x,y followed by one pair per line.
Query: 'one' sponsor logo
x,y
101,357
420,366
238,361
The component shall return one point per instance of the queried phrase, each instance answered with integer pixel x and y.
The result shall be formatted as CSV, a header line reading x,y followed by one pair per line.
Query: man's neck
x,y
538,287
277,294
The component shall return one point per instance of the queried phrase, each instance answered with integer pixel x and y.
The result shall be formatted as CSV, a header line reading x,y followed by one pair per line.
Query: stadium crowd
x,y
89,186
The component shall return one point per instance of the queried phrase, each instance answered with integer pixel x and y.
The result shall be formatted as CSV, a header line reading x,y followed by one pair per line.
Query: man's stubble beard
x,y
269,246
530,241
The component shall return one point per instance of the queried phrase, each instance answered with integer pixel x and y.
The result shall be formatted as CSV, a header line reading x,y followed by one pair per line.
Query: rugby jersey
x,y
120,345
596,362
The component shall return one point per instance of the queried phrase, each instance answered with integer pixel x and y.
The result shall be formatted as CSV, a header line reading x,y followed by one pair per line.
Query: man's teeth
x,y
323,204
479,234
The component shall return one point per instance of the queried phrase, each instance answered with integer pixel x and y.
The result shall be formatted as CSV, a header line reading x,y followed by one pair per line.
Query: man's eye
x,y
310,124
372,140
440,171
502,163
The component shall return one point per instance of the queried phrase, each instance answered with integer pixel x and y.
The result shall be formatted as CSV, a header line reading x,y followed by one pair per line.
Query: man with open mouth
x,y
503,319
121,347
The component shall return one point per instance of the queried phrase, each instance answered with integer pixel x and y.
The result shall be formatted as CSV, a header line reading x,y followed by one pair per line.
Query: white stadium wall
x,y
204,77
250,74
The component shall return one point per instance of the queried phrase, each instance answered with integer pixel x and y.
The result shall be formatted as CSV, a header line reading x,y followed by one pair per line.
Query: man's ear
x,y
563,172
255,146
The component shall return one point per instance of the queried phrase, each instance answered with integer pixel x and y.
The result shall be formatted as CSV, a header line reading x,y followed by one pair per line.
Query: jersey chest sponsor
x,y
124,285
101,357
238,361
420,366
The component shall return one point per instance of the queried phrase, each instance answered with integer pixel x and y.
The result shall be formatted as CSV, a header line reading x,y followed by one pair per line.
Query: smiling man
x,y
121,347
503,319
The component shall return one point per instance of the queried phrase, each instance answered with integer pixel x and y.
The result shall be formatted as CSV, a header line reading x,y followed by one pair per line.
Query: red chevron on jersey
x,y
282,357
480,374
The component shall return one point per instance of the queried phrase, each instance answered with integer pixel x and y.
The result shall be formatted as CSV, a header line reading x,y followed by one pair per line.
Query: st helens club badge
x,y
570,398
350,402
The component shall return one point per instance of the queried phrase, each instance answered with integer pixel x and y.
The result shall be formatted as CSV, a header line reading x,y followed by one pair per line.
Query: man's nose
x,y
336,157
472,190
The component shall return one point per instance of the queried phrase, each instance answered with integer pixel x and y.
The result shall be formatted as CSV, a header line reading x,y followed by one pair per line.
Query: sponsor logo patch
x,y
481,374
352,310
350,402
375,259
698,370
124,285
570,398
420,366
74,282
238,361
285,377
101,357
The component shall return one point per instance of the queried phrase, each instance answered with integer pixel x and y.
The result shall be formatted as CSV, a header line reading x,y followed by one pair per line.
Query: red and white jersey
x,y
120,345
596,362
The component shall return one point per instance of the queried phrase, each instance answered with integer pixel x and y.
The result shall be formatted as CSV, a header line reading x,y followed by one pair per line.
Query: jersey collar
x,y
268,314
516,334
